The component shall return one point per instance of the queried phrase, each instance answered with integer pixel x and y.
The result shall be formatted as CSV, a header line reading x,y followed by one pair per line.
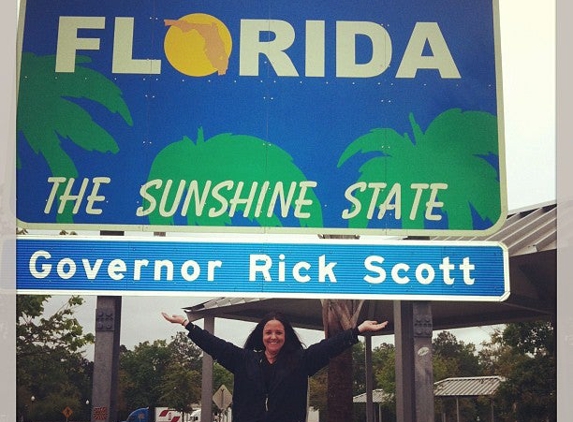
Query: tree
x,y
339,315
453,358
461,359
384,363
180,387
141,375
359,368
160,374
51,367
319,384
222,376
524,354
185,351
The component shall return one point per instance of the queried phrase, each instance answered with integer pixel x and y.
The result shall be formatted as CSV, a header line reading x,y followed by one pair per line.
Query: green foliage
x,y
50,362
454,358
184,351
523,353
524,350
383,378
383,360
460,359
160,374
319,392
450,358
141,374
59,333
531,338
359,368
221,376
180,387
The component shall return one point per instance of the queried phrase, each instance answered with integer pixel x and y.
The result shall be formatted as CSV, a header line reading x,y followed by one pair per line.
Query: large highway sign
x,y
409,270
261,116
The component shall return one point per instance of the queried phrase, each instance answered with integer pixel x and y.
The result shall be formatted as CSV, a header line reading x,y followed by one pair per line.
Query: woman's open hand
x,y
371,326
175,319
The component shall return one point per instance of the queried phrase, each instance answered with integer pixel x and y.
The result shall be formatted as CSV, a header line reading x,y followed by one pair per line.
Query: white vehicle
x,y
159,414
164,414
223,417
195,416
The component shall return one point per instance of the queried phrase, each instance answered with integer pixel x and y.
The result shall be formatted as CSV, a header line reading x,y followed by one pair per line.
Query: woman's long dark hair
x,y
255,339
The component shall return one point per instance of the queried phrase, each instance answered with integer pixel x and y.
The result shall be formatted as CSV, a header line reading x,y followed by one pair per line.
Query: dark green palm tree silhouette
x,y
226,157
48,117
458,148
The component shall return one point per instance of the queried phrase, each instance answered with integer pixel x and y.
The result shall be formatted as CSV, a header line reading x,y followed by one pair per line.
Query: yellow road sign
x,y
67,412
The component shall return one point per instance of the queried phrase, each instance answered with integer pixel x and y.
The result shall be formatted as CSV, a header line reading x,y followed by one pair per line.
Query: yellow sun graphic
x,y
198,45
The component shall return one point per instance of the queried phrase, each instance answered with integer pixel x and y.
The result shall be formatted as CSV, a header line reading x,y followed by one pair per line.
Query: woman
x,y
271,371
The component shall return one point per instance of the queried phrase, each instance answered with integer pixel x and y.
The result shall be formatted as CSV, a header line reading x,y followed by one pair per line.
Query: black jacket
x,y
286,398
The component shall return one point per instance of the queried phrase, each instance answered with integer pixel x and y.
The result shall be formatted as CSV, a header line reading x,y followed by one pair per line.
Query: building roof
x,y
378,396
467,386
530,235
525,231
449,387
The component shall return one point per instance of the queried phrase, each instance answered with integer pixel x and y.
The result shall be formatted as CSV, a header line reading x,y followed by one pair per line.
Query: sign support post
x,y
403,329
414,372
423,368
106,356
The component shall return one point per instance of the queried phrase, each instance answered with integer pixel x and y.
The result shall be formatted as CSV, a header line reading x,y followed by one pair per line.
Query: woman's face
x,y
273,336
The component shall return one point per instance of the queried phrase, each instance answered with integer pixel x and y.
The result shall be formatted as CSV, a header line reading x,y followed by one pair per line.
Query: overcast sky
x,y
528,63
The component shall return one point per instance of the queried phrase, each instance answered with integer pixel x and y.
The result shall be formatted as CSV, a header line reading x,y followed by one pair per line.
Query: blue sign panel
x,y
476,271
261,116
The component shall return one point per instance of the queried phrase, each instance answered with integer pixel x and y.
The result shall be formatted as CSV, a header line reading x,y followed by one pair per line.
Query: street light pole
x,y
32,399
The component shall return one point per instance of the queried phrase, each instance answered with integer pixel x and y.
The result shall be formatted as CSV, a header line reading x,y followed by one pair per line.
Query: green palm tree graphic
x,y
456,149
226,158
48,117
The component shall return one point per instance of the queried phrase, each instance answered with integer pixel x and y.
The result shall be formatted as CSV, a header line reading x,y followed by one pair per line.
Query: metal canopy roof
x,y
525,231
467,386
448,387
378,396
530,236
